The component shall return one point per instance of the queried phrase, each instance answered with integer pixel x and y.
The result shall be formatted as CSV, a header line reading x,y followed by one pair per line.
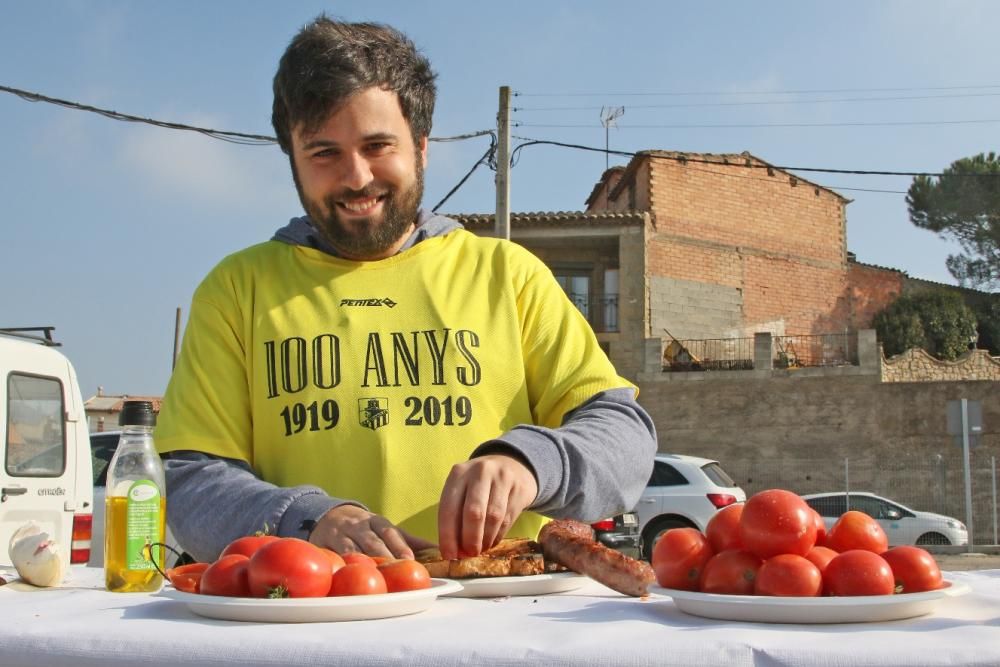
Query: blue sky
x,y
108,226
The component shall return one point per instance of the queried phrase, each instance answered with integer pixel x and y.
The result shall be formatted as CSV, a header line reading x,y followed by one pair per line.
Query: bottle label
x,y
142,524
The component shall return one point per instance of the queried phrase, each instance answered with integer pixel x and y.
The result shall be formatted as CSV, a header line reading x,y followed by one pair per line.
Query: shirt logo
x,y
389,303
373,412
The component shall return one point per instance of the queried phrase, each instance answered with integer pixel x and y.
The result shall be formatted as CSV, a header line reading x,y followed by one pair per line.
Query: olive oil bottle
x,y
136,506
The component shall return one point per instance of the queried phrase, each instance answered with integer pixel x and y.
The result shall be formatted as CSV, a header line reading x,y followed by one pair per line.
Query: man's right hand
x,y
347,528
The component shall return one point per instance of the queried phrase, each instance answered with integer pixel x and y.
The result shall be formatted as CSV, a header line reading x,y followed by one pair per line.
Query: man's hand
x,y
347,528
481,500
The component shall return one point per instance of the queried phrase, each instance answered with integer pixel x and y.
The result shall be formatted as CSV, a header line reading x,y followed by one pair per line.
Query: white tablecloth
x,y
80,624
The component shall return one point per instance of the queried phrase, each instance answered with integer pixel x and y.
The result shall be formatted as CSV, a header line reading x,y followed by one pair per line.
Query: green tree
x,y
936,320
988,324
964,204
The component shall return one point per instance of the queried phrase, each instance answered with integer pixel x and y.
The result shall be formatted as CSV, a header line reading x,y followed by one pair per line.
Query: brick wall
x,y
871,288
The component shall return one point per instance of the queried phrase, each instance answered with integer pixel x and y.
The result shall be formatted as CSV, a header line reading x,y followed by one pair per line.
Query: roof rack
x,y
41,335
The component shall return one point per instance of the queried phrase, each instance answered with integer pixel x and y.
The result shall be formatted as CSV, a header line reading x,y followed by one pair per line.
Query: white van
x,y
44,445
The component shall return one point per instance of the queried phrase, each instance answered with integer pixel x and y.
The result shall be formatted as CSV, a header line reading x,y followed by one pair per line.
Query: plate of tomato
x,y
313,609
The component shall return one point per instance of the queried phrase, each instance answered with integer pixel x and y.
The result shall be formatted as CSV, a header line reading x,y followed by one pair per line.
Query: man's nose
x,y
356,172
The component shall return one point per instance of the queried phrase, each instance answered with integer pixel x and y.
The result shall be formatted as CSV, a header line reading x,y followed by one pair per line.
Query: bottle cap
x,y
137,413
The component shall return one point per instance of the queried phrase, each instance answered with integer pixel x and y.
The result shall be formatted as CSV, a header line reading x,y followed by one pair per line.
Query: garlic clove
x,y
35,556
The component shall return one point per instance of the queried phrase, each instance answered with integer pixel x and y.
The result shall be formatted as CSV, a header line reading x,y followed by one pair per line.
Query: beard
x,y
364,238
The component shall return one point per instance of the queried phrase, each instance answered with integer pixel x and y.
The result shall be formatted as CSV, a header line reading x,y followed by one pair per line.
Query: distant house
x,y
102,409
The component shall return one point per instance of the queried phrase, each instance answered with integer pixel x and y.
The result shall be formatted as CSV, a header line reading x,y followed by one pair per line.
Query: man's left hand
x,y
481,500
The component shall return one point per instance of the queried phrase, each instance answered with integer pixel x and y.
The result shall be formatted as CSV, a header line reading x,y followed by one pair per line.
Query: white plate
x,y
532,584
766,609
313,610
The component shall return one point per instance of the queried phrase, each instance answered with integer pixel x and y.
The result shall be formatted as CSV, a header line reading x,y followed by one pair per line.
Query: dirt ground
x,y
968,561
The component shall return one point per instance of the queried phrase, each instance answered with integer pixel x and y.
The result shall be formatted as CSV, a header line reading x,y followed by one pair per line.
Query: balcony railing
x,y
600,311
839,349
731,354
709,354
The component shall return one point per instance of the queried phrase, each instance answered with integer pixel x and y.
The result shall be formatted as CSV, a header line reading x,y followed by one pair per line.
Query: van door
x,y
38,473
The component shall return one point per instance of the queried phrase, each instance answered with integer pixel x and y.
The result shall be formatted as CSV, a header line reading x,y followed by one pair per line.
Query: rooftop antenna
x,y
608,117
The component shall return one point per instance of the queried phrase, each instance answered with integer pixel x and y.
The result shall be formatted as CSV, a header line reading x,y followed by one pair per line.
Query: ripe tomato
x,y
857,530
820,529
913,569
678,558
789,575
357,579
227,576
336,560
730,572
723,529
289,567
186,578
358,557
858,572
248,544
777,522
821,557
404,575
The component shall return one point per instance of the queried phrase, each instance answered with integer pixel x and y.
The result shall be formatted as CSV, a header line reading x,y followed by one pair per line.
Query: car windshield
x,y
102,448
715,473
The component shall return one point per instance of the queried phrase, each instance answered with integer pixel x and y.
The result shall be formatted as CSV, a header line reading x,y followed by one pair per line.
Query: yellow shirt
x,y
372,379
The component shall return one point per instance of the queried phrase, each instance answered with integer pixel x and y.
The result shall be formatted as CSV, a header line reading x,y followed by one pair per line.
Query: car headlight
x,y
958,525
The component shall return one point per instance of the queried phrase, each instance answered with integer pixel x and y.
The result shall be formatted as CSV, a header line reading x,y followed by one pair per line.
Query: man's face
x,y
360,176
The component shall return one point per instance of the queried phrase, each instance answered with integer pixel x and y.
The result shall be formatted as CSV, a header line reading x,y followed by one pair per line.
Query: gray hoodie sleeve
x,y
593,466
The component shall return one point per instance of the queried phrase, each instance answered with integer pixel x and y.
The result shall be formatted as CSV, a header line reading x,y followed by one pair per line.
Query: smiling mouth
x,y
361,206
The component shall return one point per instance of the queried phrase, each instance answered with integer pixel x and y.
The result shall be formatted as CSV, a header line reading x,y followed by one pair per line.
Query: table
x,y
79,624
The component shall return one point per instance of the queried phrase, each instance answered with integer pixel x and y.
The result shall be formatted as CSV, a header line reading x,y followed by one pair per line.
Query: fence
x,y
936,485
711,354
839,349
737,354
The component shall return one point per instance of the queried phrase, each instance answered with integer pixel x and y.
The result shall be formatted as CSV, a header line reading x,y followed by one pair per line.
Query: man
x,y
439,385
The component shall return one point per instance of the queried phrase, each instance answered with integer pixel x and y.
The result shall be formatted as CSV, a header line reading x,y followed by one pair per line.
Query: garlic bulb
x,y
36,556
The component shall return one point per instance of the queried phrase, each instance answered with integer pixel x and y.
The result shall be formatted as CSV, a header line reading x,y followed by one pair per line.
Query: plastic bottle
x,y
136,505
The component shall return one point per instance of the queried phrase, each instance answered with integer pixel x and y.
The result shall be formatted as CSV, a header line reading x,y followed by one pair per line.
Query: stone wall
x,y
916,365
825,431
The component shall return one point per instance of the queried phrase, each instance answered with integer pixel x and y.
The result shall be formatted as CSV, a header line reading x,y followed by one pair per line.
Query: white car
x,y
102,447
901,524
683,491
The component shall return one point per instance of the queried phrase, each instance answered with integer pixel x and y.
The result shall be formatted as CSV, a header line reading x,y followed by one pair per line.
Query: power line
x,y
717,126
746,164
224,135
755,92
691,105
488,158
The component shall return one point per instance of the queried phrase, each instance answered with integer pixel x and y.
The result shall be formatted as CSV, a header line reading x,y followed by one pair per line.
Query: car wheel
x,y
656,528
932,538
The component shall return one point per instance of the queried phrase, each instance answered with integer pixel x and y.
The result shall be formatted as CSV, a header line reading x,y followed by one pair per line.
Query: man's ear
x,y
423,151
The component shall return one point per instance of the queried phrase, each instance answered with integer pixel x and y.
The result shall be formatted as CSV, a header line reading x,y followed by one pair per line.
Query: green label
x,y
142,524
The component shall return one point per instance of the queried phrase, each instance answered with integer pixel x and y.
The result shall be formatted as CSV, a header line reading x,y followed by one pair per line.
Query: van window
x,y
36,438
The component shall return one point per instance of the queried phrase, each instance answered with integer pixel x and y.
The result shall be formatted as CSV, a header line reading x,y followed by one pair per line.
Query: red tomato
x,y
821,557
247,545
186,578
730,572
336,560
913,569
289,567
858,572
227,576
358,557
678,558
857,530
820,529
789,575
723,529
777,522
357,579
404,575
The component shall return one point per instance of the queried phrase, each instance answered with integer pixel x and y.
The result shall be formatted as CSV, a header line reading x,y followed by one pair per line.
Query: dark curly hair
x,y
328,61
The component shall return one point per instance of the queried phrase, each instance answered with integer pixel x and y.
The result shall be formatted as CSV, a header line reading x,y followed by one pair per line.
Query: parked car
x,y
683,491
619,532
102,447
902,525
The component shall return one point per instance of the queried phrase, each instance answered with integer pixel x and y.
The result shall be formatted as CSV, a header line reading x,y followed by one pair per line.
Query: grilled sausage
x,y
571,543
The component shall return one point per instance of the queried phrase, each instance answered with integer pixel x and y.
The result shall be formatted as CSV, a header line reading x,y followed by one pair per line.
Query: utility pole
x,y
177,338
503,165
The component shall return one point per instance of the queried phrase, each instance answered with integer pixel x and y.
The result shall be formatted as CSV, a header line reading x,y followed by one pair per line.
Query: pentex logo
x,y
368,302
373,412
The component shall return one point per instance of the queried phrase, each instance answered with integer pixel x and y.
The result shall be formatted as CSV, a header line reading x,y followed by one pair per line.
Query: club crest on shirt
x,y
373,412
